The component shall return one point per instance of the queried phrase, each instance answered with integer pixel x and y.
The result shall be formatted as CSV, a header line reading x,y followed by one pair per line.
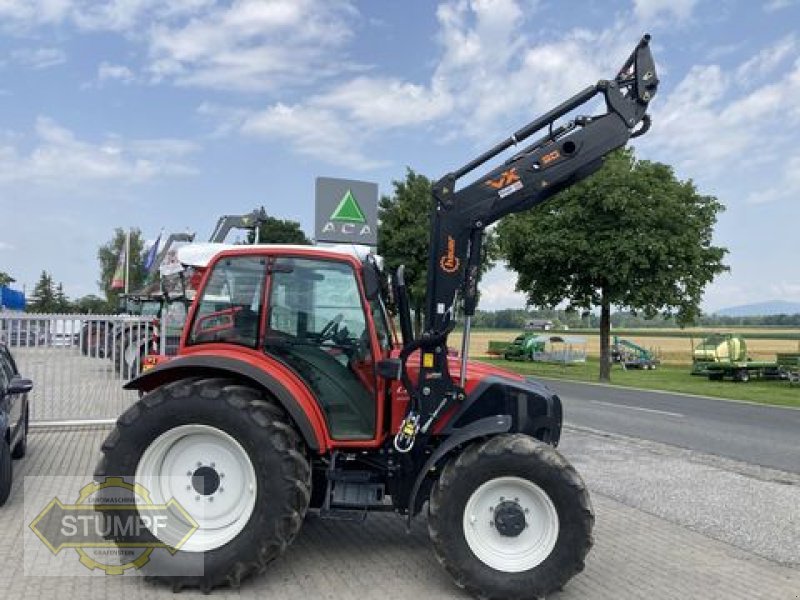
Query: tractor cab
x,y
307,309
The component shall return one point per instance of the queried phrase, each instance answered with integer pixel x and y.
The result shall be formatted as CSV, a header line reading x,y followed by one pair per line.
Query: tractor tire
x,y
510,518
6,471
21,447
742,376
211,424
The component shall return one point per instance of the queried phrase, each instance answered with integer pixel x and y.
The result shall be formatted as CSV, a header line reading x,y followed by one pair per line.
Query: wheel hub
x,y
509,519
205,481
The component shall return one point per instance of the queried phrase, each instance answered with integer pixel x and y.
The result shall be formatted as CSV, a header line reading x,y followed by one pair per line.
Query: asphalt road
x,y
761,435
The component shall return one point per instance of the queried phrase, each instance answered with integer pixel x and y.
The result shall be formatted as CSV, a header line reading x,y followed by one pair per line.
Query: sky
x,y
164,115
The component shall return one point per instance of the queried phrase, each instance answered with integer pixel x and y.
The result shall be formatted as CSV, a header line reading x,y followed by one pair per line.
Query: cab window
x,y
230,306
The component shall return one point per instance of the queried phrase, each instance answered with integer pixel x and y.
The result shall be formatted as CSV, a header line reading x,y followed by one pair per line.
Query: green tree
x,y
404,236
91,304
61,303
108,254
631,235
6,279
279,231
43,299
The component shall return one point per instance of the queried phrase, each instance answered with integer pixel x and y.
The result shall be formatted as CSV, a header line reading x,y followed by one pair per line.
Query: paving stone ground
x,y
636,555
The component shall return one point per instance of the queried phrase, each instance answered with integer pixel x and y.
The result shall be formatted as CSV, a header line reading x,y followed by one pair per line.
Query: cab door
x,y
318,324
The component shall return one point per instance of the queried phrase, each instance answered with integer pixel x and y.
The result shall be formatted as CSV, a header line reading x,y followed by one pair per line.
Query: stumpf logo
x,y
348,218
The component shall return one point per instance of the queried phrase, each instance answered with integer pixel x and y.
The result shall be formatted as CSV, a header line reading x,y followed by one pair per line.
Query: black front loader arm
x,y
562,157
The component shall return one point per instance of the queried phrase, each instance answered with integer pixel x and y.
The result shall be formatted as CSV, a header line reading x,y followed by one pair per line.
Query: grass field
x,y
671,349
672,378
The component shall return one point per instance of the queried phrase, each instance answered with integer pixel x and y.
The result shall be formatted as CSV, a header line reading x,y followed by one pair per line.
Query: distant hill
x,y
761,309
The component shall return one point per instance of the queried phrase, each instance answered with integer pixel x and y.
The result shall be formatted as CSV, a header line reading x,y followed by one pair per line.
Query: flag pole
x,y
127,259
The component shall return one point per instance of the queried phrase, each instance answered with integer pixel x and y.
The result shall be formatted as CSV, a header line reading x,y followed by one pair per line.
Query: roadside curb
x,y
640,389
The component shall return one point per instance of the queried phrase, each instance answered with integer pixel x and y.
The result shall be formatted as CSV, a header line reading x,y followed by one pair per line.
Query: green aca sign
x,y
346,211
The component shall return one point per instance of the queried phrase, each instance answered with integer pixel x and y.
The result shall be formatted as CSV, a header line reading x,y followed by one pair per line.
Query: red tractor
x,y
291,391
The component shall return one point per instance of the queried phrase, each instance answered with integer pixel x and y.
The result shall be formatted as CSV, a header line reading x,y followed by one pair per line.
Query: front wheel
x,y
510,518
228,454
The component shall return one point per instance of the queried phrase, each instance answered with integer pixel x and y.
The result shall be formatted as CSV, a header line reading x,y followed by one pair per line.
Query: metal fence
x,y
78,363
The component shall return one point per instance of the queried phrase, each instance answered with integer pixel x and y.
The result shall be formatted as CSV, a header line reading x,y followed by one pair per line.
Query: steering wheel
x,y
331,328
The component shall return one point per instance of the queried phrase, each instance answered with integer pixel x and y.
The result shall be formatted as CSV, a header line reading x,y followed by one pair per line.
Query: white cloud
x,y
17,16
383,103
110,72
39,58
706,125
313,132
767,60
497,290
478,84
60,159
253,45
648,10
495,85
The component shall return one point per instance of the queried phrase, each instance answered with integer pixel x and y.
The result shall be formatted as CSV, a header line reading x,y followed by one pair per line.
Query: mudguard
x,y
535,410
477,429
203,365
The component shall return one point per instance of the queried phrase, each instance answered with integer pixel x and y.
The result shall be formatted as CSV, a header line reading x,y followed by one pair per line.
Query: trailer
x,y
724,356
632,356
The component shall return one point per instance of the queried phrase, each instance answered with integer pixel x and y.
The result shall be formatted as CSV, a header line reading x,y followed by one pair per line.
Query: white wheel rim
x,y
511,554
177,463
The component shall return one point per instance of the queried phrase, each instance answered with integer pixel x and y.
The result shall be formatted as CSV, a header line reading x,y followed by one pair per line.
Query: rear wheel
x,y
510,518
229,455
743,375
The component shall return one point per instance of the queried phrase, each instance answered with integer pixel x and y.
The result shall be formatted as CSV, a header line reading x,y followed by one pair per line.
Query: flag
x,y
150,259
118,280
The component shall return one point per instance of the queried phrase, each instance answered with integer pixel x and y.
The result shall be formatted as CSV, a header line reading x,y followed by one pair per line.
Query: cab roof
x,y
200,255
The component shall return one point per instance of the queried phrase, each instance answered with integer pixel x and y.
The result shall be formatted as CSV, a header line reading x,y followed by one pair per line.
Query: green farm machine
x,y
722,355
632,356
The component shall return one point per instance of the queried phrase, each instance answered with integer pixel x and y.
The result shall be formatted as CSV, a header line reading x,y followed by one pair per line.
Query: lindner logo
x,y
348,218
449,263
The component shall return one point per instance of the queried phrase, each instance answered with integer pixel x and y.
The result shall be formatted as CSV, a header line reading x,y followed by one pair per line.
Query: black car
x,y
14,417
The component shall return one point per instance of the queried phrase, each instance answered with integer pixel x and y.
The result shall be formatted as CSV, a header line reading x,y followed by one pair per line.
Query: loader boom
x,y
560,158
249,222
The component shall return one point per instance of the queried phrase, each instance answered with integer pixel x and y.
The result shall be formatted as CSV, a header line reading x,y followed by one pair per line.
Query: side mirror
x,y
390,368
19,385
372,280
